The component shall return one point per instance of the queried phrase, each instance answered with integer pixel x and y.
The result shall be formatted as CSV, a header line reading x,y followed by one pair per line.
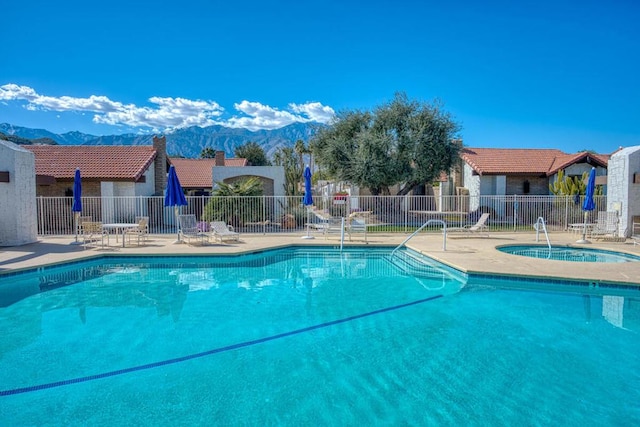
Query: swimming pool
x,y
566,253
312,337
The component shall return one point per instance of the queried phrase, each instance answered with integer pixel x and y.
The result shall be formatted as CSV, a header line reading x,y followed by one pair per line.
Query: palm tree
x,y
236,203
286,158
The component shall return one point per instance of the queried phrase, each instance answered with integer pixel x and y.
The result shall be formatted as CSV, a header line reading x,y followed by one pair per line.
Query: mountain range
x,y
187,142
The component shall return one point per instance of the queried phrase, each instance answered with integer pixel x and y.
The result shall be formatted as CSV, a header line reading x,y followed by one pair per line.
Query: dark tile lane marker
x,y
208,352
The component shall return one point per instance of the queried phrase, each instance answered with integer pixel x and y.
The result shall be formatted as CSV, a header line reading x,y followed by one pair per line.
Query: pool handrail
x,y
539,221
444,234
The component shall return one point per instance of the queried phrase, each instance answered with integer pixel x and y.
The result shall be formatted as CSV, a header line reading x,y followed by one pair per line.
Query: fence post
x,y
566,213
406,213
515,213
41,215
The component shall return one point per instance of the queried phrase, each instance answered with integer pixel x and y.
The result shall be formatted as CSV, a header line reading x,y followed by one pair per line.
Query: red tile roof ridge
x,y
116,162
197,173
523,160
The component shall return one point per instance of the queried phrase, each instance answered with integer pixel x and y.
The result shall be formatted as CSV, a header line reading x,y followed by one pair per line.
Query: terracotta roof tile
x,y
197,173
100,162
503,161
562,162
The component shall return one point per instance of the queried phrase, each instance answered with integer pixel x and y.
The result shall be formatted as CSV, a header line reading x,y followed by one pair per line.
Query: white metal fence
x,y
269,214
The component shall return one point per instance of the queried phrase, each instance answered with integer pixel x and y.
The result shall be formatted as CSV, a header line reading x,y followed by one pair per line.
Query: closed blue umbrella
x,y
76,207
173,195
308,198
589,204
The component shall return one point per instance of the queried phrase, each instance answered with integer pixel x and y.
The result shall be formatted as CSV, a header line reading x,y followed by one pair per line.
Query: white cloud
x,y
264,117
315,111
170,113
35,101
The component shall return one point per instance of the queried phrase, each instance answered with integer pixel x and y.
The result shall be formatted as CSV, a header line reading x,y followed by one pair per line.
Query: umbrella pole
x,y
175,214
308,236
584,230
76,216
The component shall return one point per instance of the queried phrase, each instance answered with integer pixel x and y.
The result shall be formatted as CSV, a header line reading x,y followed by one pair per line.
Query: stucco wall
x,y
147,188
273,173
18,196
472,183
622,192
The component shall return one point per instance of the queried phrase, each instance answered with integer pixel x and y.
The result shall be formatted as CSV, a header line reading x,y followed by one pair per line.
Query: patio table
x,y
579,226
124,226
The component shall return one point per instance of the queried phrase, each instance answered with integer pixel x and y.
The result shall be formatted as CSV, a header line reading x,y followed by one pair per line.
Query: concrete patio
x,y
469,253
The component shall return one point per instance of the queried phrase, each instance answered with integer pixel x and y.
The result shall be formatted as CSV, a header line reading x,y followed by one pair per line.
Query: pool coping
x,y
470,255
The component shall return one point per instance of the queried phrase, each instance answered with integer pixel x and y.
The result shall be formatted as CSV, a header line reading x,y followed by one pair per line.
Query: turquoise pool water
x,y
563,253
310,337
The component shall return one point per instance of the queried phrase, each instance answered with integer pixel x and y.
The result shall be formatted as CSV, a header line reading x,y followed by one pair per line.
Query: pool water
x,y
563,253
308,337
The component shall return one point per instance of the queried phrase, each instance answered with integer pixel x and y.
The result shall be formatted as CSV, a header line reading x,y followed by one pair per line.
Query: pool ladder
x,y
541,225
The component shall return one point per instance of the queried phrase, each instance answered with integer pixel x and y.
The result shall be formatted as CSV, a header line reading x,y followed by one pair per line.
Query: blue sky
x,y
530,74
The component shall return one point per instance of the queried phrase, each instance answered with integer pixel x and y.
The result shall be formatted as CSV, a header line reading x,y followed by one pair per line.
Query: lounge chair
x,y
606,226
479,226
221,231
357,226
188,229
332,225
635,233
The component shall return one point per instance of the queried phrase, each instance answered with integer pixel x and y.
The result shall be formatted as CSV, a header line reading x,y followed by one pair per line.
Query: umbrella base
x,y
307,237
583,241
178,242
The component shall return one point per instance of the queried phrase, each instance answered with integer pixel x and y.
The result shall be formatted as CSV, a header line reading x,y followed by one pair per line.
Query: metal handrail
x,y
540,220
444,235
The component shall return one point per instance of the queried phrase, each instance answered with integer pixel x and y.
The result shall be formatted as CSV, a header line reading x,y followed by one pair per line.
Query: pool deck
x,y
469,253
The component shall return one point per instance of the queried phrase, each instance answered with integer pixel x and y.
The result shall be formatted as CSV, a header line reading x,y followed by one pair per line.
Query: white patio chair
x,y
92,231
141,232
220,231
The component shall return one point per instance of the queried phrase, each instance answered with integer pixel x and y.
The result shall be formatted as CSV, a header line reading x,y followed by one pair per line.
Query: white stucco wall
x,y
18,196
472,183
275,173
147,188
120,202
621,191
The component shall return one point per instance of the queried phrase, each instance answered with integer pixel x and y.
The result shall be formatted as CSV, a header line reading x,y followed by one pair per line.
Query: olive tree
x,y
254,154
405,143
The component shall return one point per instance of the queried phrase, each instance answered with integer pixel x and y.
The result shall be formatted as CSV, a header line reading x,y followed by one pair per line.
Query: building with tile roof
x,y
196,175
519,171
117,170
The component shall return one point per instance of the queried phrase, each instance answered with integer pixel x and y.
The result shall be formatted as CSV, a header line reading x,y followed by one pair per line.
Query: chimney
x,y
219,158
160,164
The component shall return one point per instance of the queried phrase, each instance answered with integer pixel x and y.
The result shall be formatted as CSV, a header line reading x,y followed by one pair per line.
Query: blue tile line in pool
x,y
208,352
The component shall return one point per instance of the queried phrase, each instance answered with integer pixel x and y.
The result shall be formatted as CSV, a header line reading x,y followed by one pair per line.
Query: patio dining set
x,y
93,233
